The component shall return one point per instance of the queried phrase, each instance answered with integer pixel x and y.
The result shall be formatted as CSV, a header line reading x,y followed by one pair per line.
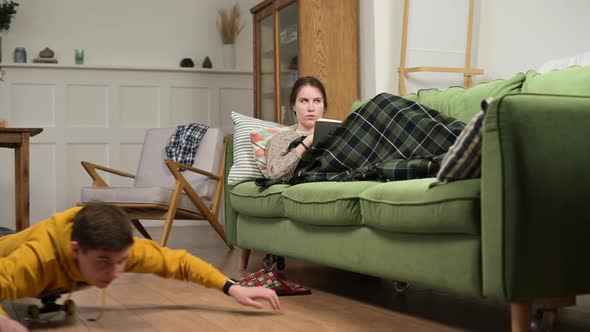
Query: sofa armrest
x,y
535,191
230,215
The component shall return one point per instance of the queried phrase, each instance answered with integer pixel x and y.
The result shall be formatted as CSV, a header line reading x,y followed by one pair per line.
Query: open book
x,y
323,127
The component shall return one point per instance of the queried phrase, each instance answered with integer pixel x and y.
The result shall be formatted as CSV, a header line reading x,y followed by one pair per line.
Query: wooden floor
x,y
341,301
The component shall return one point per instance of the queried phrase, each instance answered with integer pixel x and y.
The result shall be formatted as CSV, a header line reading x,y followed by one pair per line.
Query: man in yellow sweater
x,y
94,245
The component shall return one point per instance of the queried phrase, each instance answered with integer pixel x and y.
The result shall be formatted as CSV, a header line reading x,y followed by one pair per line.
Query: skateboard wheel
x,y
34,312
69,307
400,286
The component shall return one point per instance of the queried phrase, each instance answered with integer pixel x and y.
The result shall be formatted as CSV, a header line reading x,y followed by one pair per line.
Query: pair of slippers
x,y
269,279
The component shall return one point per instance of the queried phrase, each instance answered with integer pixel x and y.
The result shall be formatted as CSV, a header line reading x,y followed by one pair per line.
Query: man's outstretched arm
x,y
146,256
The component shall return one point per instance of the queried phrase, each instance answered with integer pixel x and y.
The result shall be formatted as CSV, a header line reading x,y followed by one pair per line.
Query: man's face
x,y
100,267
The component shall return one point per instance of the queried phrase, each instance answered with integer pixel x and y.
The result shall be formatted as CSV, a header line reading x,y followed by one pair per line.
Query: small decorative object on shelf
x,y
3,124
187,63
229,28
46,56
20,55
79,56
207,63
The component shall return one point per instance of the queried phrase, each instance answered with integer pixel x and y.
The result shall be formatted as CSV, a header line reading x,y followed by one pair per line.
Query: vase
x,y
229,56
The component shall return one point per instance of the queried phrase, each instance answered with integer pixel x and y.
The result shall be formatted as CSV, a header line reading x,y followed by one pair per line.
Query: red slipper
x,y
269,279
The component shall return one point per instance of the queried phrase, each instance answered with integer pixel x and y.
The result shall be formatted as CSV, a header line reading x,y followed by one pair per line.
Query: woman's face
x,y
309,106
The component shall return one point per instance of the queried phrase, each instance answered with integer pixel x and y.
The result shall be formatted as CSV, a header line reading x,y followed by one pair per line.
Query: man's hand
x,y
249,295
9,325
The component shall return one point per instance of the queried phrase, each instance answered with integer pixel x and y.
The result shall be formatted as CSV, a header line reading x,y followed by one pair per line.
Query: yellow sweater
x,y
38,259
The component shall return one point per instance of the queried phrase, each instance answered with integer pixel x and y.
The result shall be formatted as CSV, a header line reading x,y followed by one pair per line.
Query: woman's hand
x,y
248,296
308,141
300,149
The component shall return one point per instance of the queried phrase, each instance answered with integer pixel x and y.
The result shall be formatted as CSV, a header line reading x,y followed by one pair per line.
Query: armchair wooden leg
x,y
244,258
140,228
174,200
520,313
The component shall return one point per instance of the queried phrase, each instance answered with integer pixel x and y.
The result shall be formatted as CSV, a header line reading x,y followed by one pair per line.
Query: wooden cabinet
x,y
296,38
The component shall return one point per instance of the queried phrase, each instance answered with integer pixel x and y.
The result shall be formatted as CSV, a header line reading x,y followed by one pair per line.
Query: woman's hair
x,y
304,81
101,226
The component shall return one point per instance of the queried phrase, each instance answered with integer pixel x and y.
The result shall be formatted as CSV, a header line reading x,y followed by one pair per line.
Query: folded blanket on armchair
x,y
389,138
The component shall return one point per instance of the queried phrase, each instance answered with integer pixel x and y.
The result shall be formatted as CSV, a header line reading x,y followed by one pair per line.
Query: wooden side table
x,y
18,139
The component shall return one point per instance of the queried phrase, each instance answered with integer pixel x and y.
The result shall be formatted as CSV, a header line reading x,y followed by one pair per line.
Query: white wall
x,y
129,32
379,39
509,36
520,35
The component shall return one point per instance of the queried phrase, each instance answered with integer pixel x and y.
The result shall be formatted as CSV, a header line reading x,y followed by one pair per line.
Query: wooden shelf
x,y
121,67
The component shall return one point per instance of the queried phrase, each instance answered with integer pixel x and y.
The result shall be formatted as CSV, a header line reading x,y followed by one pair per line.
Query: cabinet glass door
x,y
288,62
266,86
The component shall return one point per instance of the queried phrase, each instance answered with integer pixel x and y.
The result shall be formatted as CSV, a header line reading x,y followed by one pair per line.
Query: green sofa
x,y
517,235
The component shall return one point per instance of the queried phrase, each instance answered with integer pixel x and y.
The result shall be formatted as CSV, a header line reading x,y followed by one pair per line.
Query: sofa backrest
x,y
573,81
461,103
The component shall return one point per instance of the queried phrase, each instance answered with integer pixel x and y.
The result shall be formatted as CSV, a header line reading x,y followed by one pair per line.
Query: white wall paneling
x,y
100,114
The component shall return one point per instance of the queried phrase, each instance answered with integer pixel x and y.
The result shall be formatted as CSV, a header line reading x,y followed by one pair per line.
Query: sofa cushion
x,y
412,207
325,203
143,195
463,104
573,81
247,198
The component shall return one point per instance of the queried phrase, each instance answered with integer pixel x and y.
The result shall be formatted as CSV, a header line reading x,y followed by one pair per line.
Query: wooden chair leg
x,y
140,228
520,313
244,258
174,200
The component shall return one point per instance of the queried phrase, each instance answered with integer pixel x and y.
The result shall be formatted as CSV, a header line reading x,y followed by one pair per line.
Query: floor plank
x,y
341,301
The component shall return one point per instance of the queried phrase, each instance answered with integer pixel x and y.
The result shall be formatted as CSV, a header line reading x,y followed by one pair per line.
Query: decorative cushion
x,y
244,167
259,139
463,161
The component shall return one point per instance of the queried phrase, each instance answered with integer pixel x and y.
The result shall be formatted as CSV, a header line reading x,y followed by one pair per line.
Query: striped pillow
x,y
463,161
245,167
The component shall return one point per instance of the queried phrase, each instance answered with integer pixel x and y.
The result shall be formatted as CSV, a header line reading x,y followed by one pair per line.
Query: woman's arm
x,y
281,163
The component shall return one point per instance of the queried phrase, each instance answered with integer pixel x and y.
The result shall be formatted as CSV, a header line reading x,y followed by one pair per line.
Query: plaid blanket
x,y
387,139
183,144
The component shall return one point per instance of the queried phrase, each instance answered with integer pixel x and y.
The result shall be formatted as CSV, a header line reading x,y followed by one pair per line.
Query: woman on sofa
x,y
309,102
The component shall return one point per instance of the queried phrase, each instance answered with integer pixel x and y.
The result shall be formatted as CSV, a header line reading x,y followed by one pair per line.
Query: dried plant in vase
x,y
228,24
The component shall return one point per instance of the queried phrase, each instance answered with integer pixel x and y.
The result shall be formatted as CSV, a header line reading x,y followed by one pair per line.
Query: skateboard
x,y
49,304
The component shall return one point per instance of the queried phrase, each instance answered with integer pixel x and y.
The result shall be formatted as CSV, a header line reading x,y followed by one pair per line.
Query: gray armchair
x,y
161,191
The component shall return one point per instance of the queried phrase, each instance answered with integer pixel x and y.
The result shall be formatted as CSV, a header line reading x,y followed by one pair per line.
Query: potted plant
x,y
7,10
228,24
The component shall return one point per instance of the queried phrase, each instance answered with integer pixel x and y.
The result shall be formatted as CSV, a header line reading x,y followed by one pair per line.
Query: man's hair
x,y
304,81
102,227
